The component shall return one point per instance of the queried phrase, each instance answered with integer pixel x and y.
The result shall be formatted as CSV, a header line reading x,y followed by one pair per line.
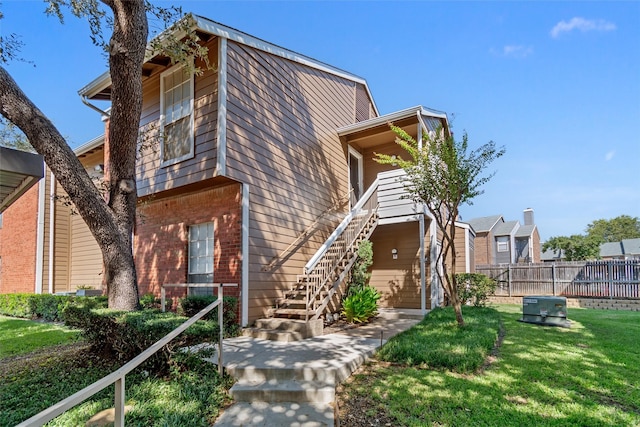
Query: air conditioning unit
x,y
545,310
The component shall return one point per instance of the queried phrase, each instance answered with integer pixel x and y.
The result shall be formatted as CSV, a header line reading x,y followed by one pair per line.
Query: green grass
x,y
588,375
436,342
191,394
20,336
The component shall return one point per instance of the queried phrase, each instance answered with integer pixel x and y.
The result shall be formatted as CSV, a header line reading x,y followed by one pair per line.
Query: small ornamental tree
x,y
442,174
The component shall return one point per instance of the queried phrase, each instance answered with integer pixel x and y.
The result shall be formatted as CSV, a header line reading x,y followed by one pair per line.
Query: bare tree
x,y
443,175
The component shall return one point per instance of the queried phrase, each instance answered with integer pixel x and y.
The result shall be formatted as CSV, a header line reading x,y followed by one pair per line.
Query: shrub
x,y
360,271
43,306
475,288
361,304
151,301
192,304
123,335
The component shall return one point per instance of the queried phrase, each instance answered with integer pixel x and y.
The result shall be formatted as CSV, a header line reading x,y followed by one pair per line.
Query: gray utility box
x,y
545,310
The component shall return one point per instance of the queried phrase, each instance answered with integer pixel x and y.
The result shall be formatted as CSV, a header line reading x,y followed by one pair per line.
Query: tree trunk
x,y
111,224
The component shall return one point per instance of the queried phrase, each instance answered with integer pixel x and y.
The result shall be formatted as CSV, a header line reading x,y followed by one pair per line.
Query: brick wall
x,y
597,303
18,238
161,238
482,249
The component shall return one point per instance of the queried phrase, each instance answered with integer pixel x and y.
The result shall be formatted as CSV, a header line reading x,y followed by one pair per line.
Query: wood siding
x,y
281,140
398,280
362,103
151,176
373,168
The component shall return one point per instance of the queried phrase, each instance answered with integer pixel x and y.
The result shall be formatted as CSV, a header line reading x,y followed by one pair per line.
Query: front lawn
x,y
588,375
19,336
38,369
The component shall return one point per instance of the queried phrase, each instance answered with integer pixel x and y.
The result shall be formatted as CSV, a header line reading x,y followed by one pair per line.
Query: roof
x,y
485,223
525,230
631,246
552,255
506,228
610,249
418,112
19,171
96,88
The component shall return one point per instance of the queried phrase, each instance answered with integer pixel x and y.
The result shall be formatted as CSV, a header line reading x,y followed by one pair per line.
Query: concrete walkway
x,y
293,383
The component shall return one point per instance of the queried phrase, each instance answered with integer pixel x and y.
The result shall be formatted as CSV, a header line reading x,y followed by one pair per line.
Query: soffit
x,y
19,171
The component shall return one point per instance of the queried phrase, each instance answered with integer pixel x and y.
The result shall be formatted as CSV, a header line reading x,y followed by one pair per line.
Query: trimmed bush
x,y
151,301
43,306
475,288
191,305
123,335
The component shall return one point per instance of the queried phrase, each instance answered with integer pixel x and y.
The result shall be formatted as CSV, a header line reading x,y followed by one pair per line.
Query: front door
x,y
355,175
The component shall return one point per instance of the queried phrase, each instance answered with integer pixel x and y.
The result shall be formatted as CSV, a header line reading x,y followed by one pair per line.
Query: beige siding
x,y
86,258
281,140
62,244
373,168
151,176
362,103
398,280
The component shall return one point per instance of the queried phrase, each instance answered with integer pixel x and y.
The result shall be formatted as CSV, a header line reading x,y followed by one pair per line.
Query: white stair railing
x,y
318,272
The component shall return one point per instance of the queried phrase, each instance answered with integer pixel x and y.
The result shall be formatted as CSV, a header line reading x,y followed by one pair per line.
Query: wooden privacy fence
x,y
601,279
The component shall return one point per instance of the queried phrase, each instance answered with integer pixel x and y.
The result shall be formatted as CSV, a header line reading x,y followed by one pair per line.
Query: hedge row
x,y
124,335
44,306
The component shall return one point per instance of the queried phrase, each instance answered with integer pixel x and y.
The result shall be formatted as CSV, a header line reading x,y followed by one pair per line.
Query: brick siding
x,y
18,239
161,238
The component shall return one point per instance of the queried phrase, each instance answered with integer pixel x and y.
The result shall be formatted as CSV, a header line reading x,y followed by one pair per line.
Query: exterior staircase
x,y
300,313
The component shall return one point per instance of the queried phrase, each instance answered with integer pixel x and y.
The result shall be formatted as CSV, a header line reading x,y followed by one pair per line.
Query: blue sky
x,y
556,83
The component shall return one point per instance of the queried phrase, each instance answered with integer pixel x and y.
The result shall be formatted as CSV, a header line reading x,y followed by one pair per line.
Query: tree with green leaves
x,y
110,221
442,174
576,247
616,229
12,137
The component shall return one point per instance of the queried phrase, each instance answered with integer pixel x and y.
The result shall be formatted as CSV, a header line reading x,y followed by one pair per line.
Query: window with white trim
x,y
503,244
176,115
201,253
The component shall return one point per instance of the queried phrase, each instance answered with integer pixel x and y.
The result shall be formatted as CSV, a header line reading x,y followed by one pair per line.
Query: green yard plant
x,y
475,288
361,304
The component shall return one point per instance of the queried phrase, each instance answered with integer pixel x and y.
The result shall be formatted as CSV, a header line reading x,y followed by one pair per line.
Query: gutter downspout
x,y
40,235
93,107
245,256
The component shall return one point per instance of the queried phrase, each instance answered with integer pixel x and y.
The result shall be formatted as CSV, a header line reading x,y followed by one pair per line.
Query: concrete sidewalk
x,y
293,383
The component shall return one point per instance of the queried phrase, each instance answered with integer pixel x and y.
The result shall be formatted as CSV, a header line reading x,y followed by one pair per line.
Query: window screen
x,y
201,253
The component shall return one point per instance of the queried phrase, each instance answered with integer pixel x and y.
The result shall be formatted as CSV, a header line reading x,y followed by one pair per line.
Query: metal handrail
x,y
118,377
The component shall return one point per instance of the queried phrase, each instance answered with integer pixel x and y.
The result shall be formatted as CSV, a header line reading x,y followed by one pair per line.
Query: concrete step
x,y
283,391
287,330
258,375
273,334
277,414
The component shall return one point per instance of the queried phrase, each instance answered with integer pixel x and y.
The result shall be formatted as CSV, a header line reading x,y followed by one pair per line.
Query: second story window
x,y
176,115
503,244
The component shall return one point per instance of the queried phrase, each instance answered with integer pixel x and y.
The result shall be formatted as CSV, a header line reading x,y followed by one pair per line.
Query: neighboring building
x,y
20,225
266,172
624,250
503,242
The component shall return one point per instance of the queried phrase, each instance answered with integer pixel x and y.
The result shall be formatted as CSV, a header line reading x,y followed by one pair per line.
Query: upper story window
x,y
176,115
503,244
